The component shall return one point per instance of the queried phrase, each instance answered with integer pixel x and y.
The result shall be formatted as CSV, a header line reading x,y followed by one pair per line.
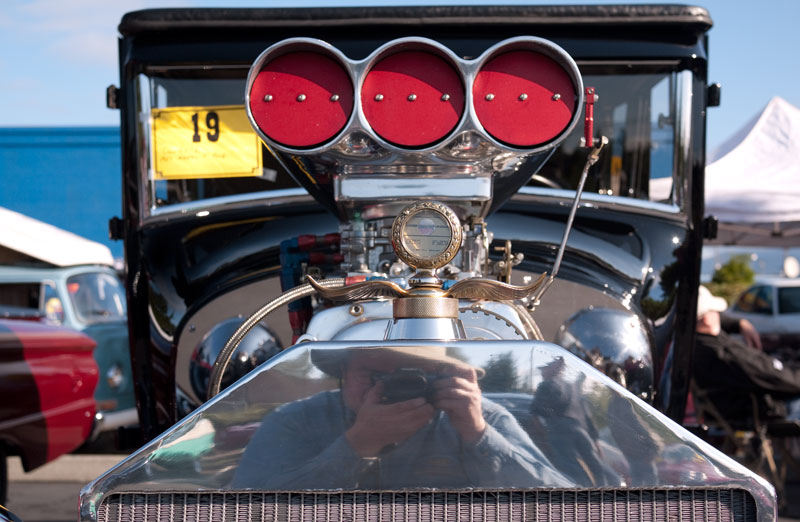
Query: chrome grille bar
x,y
635,505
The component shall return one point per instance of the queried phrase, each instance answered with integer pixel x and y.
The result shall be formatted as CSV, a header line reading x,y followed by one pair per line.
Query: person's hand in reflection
x,y
379,426
403,417
458,395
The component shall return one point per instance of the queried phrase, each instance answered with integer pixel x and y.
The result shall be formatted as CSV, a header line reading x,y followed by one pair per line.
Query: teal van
x,y
72,282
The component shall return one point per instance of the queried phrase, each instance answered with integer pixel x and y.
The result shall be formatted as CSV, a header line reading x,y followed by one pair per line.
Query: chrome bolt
x,y
356,310
489,97
412,97
556,97
523,97
301,97
335,97
445,97
378,97
268,98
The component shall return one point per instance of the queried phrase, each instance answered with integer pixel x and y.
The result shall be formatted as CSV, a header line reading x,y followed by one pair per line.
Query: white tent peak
x,y
757,179
774,115
53,245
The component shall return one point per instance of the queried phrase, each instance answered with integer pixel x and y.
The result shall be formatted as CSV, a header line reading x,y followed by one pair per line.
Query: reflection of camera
x,y
406,383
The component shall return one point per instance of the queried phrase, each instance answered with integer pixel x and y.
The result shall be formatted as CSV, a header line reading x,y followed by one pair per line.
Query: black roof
x,y
695,20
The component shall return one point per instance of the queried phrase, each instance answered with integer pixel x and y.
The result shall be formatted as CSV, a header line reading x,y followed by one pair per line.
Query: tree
x,y
732,278
501,374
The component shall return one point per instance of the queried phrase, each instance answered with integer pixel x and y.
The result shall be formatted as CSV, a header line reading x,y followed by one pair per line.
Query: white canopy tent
x,y
753,181
23,238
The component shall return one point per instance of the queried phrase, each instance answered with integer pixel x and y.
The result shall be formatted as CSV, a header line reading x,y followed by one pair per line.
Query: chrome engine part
x,y
367,250
615,342
445,128
482,320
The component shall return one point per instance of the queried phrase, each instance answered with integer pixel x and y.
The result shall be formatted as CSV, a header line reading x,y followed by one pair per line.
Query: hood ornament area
x,y
426,236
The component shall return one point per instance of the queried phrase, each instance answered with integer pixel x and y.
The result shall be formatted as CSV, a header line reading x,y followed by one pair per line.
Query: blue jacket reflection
x,y
301,445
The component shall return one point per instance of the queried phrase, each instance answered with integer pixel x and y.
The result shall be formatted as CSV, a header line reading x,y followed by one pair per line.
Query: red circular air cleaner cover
x,y
310,99
412,98
515,98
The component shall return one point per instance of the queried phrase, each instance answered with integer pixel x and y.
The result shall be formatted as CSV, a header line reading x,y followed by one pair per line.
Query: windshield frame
x,y
678,201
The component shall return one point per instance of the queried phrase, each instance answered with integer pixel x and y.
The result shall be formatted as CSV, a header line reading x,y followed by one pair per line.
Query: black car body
x,y
178,263
419,170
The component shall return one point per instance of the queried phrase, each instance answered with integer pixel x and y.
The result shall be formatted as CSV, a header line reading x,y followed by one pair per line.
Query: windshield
x,y
97,297
637,111
198,144
220,156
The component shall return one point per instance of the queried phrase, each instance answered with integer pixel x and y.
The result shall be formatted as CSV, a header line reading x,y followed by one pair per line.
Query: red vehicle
x,y
47,381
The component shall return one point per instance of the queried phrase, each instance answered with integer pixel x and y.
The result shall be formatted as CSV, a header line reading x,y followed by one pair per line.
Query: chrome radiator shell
x,y
655,470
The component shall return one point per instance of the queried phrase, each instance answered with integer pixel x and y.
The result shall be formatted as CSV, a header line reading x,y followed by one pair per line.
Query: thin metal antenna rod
x,y
594,155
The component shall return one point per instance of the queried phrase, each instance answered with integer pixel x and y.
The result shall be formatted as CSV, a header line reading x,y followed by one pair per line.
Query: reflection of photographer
x,y
559,416
407,416
392,403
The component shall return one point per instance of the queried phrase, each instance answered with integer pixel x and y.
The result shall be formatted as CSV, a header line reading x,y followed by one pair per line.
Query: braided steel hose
x,y
224,357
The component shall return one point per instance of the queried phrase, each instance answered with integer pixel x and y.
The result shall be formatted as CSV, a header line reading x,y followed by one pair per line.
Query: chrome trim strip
x,y
360,187
683,129
117,419
264,198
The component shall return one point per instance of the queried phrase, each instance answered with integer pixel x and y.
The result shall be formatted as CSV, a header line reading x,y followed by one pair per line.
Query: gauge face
x,y
426,235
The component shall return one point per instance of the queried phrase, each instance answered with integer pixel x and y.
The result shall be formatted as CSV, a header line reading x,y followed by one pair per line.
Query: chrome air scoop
x,y
413,121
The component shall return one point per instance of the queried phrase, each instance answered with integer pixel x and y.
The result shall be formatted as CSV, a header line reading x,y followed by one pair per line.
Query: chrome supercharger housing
x,y
414,122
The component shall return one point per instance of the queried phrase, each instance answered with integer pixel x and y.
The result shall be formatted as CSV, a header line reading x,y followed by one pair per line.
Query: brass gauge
x,y
426,235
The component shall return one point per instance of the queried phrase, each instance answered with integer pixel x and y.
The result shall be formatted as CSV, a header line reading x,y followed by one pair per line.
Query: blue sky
x,y
58,56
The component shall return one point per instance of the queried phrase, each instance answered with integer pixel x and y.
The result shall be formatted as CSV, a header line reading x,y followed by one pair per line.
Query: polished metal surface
x,y
425,307
470,288
490,320
616,343
223,359
484,320
356,187
426,328
256,347
615,505
566,425
357,291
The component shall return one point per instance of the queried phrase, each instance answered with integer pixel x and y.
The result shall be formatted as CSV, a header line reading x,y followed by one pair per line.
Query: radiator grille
x,y
650,505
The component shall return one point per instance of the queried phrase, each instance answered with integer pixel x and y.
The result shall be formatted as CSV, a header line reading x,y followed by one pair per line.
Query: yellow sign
x,y
204,142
